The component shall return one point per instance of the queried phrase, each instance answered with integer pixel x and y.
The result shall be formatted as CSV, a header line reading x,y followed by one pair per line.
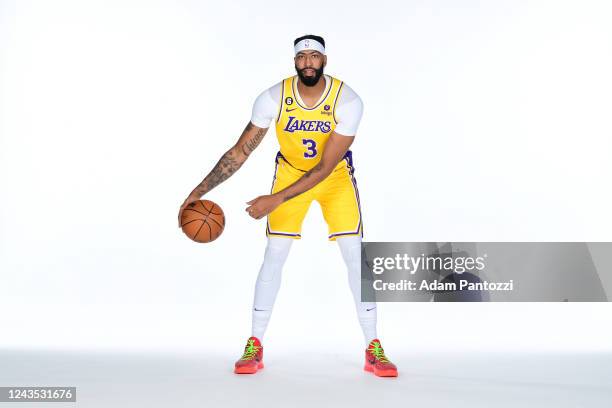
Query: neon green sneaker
x,y
376,362
252,358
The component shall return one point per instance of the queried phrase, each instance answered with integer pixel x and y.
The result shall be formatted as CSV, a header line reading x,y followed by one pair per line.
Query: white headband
x,y
309,44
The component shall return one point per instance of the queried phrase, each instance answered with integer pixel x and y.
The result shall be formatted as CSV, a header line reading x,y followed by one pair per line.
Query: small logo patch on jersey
x,y
290,110
289,100
326,111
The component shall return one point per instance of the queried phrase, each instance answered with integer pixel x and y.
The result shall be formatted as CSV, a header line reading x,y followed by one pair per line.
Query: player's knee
x,y
351,251
274,258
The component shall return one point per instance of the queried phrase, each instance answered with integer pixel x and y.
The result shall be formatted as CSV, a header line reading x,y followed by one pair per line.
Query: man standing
x,y
316,118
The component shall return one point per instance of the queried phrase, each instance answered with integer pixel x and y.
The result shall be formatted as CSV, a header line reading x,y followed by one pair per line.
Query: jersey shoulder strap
x,y
287,97
340,85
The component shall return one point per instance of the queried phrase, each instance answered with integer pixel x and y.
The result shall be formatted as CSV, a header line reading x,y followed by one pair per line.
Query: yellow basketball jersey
x,y
303,132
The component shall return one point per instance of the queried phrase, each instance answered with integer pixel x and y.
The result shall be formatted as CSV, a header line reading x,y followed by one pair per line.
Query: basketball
x,y
203,221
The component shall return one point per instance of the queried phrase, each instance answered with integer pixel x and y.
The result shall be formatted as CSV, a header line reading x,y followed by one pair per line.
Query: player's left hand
x,y
263,205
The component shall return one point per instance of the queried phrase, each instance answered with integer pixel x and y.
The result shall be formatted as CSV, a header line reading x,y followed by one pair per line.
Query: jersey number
x,y
311,145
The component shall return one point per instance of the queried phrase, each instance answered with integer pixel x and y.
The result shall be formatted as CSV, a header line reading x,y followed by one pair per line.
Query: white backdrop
x,y
483,121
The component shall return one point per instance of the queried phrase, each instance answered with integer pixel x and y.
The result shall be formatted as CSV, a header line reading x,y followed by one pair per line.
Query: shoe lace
x,y
250,351
378,352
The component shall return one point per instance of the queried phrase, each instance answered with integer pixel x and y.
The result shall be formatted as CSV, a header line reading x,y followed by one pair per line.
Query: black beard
x,y
310,81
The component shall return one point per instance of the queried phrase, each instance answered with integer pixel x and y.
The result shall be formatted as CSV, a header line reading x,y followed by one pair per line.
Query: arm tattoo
x,y
225,167
231,161
253,142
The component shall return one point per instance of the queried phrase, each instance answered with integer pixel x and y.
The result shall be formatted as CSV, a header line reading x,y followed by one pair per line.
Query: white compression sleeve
x,y
366,311
268,283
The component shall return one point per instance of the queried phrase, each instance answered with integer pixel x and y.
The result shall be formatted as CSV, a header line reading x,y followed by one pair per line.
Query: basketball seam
x,y
189,222
191,209
216,222
209,231
205,209
195,236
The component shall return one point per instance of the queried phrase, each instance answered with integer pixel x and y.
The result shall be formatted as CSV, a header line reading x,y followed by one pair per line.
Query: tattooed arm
x,y
232,160
337,145
228,164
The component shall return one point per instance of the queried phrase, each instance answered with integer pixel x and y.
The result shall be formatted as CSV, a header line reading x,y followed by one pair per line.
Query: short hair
x,y
309,37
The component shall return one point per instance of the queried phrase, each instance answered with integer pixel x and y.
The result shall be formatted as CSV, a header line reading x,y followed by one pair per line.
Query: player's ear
x,y
324,60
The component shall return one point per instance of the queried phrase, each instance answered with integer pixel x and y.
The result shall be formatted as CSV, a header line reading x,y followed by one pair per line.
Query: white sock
x,y
366,311
268,283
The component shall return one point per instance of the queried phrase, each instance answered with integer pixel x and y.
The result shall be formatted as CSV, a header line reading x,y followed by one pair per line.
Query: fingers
x,y
189,202
261,206
180,214
251,210
257,213
254,209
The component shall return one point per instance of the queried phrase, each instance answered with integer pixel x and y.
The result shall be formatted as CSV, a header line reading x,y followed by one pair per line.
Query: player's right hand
x,y
188,201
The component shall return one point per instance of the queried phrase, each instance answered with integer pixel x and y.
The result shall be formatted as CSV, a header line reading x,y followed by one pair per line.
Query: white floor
x,y
314,378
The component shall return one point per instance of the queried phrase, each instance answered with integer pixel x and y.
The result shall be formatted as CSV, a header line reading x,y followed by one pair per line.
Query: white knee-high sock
x,y
366,311
268,283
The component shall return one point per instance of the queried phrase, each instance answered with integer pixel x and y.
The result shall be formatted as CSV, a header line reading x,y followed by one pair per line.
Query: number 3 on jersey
x,y
311,145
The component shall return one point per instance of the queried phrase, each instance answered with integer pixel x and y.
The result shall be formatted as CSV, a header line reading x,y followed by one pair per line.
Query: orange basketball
x,y
203,221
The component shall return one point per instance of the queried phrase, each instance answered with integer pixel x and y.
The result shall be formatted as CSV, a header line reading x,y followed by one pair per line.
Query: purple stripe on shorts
x,y
349,161
280,233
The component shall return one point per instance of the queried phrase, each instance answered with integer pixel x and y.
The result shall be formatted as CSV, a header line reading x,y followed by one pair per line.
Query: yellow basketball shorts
x,y
337,195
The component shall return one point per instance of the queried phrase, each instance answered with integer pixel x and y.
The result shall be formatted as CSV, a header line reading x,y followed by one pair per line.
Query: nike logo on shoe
x,y
367,310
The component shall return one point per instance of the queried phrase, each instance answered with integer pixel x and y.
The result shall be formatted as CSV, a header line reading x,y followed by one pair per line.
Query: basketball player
x,y
316,117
